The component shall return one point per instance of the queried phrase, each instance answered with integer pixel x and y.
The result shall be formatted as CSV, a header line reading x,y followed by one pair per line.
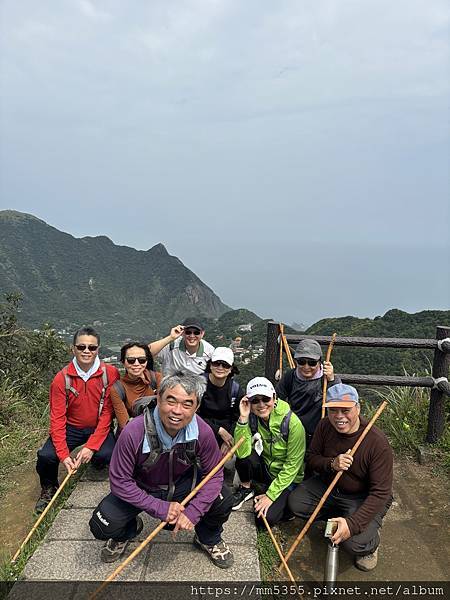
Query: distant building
x,y
245,327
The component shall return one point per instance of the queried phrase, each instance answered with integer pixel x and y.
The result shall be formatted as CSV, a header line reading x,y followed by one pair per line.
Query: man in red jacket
x,y
80,415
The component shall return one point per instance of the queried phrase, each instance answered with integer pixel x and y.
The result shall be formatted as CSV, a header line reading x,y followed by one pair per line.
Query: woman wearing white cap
x,y
220,403
277,458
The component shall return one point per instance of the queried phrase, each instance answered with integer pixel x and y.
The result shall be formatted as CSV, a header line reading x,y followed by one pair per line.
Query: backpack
x,y
70,388
284,427
185,452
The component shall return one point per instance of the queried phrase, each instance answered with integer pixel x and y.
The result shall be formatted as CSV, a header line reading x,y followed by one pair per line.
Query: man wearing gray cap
x,y
302,387
364,492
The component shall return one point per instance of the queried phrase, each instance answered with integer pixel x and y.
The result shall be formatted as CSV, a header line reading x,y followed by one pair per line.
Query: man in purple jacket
x,y
157,460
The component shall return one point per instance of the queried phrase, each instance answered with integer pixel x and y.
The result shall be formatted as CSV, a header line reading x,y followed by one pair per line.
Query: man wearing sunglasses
x,y
80,415
183,349
302,387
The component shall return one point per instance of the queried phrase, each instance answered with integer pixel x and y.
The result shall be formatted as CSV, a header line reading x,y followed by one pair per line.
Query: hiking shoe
x,y
241,495
368,562
47,493
113,550
220,554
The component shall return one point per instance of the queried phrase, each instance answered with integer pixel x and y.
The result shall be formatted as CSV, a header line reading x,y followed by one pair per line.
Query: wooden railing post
x,y
436,414
272,350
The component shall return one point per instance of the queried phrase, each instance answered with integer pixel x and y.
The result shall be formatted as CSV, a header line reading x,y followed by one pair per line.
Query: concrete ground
x,y
414,546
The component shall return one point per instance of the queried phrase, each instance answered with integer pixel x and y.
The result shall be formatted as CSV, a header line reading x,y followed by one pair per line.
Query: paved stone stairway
x,y
70,553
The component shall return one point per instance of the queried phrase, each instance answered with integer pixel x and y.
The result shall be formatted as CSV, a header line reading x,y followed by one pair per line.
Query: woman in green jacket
x,y
276,460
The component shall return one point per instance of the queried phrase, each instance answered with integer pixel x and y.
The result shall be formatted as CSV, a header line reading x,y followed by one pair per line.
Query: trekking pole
x,y
325,382
157,529
47,508
278,549
328,491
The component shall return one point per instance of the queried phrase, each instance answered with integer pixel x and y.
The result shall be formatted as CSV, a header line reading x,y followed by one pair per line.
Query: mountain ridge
x,y
91,279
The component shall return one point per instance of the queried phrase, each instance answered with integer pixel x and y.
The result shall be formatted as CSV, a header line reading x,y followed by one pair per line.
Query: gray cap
x,y
308,349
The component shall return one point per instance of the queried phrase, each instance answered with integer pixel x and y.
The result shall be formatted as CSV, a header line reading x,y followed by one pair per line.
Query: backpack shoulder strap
x,y
152,437
234,389
119,388
104,388
68,385
284,427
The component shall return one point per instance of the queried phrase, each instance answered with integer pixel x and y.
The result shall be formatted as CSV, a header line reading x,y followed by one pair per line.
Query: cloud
x,y
88,9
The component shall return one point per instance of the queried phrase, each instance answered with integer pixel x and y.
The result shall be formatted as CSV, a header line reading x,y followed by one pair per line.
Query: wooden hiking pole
x,y
329,489
278,549
325,380
47,508
288,352
157,529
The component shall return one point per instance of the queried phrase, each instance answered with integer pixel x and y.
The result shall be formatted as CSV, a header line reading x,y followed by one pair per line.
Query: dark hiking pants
x,y
253,468
304,499
48,463
114,518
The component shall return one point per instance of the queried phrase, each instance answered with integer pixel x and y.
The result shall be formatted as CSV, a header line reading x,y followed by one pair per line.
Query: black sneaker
x,y
220,554
113,550
241,495
47,493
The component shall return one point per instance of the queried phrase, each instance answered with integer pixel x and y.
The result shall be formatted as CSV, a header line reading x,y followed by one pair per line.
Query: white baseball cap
x,y
260,386
223,353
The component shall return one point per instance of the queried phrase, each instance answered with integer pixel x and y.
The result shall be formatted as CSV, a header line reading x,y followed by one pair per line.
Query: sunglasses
x,y
90,347
258,399
221,363
192,332
307,361
132,359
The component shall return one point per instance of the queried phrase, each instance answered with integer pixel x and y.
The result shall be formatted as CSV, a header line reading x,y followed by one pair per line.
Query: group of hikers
x,y
162,432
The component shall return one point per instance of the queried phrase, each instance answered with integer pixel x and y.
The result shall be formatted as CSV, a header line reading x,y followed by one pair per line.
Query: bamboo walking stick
x,y
157,529
288,353
278,549
325,382
47,508
328,491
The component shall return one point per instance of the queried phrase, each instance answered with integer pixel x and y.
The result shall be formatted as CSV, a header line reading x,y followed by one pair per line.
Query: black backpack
x,y
284,427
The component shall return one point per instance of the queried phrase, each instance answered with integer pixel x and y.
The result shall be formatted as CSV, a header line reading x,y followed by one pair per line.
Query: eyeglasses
x,y
221,363
258,399
192,332
306,361
90,347
132,359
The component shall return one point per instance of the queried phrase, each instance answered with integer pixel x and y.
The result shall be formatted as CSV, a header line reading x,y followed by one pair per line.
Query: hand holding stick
x,y
328,491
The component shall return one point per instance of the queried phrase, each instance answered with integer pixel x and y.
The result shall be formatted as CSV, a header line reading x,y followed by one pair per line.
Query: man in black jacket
x,y
302,387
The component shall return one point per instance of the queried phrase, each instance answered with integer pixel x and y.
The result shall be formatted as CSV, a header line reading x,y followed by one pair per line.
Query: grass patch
x,y
405,422
11,572
23,426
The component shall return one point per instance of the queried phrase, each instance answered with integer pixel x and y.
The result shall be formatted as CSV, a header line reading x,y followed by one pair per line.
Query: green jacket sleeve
x,y
296,445
240,431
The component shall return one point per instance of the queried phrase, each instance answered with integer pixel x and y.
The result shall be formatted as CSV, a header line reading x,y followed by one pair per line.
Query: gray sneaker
x,y
368,562
220,554
113,550
47,493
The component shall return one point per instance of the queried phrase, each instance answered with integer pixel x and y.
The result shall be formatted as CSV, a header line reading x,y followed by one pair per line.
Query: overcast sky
x,y
294,154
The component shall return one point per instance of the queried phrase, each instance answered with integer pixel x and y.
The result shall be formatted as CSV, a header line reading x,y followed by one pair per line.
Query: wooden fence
x,y
437,382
